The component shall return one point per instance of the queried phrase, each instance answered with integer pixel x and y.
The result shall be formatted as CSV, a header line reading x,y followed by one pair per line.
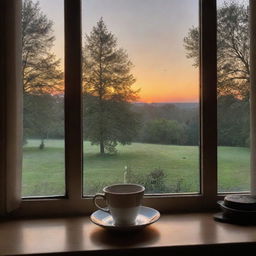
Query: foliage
x,y
233,121
233,71
164,131
185,117
192,131
191,44
42,76
43,116
232,49
114,123
154,181
108,90
168,111
41,69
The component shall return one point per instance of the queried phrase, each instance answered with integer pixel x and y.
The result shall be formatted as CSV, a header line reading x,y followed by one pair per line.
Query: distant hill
x,y
186,104
181,105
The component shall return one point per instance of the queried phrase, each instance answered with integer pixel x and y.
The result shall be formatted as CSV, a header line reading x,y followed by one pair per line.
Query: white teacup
x,y
123,202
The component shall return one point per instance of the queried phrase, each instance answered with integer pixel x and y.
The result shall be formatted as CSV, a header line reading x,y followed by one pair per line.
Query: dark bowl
x,y
235,214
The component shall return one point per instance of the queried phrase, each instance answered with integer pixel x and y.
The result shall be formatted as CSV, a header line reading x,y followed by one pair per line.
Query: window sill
x,y
179,233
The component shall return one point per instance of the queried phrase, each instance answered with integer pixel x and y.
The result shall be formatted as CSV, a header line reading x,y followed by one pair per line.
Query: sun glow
x,y
152,34
182,87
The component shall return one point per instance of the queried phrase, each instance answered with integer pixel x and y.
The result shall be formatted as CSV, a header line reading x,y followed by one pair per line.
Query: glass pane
x,y
141,94
43,171
233,96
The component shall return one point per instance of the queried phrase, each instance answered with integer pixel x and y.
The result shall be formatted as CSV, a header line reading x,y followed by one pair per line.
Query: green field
x,y
43,170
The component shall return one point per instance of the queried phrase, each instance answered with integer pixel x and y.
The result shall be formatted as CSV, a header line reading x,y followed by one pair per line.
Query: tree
x,y
41,116
232,49
41,69
42,76
107,91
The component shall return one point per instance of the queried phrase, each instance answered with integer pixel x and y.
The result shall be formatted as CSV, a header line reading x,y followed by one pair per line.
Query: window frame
x,y
74,203
10,106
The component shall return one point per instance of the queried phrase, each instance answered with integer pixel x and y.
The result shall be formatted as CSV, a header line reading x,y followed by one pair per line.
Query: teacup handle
x,y
105,209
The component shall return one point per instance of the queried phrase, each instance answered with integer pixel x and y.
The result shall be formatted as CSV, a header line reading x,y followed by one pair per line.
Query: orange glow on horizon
x,y
164,79
167,99
157,88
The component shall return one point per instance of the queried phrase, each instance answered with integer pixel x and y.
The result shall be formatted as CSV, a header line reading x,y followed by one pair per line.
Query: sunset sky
x,y
152,32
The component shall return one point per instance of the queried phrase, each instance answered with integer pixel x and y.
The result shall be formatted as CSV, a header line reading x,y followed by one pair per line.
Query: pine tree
x,y
107,91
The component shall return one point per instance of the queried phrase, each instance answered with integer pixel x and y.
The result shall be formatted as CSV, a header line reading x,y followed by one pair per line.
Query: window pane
x,y
233,96
43,171
141,94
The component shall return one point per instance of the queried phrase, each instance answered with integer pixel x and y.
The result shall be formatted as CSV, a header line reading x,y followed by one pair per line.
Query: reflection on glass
x,y
141,94
42,60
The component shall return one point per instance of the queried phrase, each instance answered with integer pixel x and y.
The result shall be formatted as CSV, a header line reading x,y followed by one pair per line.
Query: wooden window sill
x,y
179,233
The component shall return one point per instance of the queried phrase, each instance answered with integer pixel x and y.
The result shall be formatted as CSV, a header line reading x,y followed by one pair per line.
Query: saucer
x,y
145,217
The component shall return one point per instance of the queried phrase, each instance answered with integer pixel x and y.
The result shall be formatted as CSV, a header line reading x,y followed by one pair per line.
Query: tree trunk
x,y
102,149
42,144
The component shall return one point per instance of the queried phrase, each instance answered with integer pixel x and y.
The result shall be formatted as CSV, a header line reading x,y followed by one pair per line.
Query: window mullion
x,y
73,123
208,80
253,93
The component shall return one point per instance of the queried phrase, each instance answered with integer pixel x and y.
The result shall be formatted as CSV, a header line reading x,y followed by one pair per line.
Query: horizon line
x,y
155,102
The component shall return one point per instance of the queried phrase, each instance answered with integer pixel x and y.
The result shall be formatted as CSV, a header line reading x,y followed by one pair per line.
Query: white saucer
x,y
145,217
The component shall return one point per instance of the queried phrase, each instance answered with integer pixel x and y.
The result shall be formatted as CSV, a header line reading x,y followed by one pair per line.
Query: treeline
x,y
171,124
164,123
233,121
43,117
168,123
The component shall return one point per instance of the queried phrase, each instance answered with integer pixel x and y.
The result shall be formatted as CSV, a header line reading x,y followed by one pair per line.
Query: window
x,y
140,113
233,96
43,172
73,202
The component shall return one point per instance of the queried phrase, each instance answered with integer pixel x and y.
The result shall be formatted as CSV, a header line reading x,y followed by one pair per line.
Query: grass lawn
x,y
43,170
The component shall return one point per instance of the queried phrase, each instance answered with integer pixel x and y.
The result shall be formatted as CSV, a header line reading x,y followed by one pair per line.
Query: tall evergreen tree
x,y
107,90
